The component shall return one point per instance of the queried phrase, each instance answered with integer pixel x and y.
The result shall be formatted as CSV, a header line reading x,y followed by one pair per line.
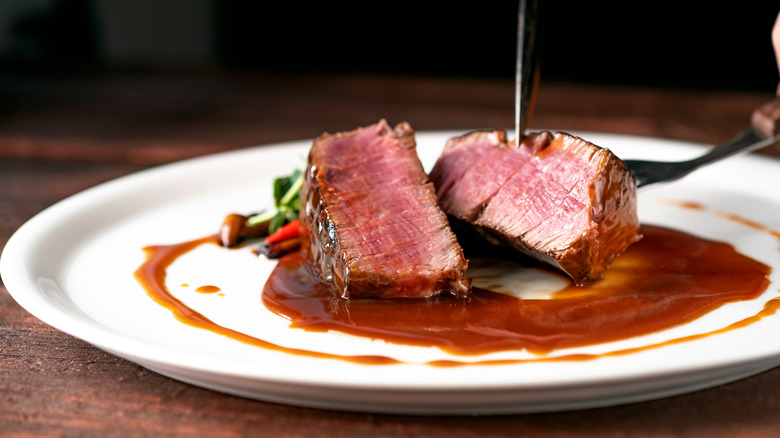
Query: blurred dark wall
x,y
686,44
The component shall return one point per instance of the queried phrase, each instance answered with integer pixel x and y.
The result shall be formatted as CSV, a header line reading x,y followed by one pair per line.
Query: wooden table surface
x,y
60,135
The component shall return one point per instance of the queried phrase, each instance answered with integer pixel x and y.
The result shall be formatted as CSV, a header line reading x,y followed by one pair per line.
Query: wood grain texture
x,y
152,119
90,130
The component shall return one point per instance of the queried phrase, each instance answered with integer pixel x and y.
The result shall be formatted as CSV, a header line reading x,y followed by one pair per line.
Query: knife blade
x,y
526,68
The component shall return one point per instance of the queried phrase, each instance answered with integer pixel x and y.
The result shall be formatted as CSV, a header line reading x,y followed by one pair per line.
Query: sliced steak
x,y
374,227
557,198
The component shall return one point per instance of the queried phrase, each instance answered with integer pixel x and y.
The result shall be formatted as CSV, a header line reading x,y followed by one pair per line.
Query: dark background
x,y
685,44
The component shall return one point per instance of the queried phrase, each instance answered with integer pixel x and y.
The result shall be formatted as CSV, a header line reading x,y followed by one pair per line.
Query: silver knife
x,y
526,71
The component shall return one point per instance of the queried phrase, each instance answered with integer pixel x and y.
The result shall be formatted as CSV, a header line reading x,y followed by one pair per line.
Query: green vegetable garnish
x,y
287,203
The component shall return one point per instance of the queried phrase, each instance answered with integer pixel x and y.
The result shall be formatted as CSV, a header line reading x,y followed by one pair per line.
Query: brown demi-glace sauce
x,y
667,279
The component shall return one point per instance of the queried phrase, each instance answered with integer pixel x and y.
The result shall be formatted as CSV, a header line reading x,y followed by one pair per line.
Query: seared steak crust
x,y
373,225
557,198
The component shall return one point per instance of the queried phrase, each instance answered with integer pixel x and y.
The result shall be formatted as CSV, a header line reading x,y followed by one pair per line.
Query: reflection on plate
x,y
72,267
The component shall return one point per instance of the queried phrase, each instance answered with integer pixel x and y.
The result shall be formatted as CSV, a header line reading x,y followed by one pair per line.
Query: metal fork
x,y
765,131
651,172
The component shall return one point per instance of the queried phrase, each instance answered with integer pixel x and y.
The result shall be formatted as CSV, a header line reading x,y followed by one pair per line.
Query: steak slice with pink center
x,y
557,198
373,223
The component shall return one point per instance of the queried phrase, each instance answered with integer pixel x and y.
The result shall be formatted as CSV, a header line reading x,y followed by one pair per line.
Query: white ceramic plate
x,y
72,266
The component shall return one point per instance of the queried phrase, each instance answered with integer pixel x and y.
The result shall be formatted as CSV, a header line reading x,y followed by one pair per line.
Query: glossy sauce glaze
x,y
667,279
207,289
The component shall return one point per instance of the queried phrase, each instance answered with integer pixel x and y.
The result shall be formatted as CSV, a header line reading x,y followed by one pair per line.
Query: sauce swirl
x,y
667,279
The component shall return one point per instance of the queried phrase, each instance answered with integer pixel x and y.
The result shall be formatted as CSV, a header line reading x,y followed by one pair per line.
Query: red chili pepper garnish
x,y
288,231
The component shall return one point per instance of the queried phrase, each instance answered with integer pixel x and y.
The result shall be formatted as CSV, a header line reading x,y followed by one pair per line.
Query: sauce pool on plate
x,y
667,279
